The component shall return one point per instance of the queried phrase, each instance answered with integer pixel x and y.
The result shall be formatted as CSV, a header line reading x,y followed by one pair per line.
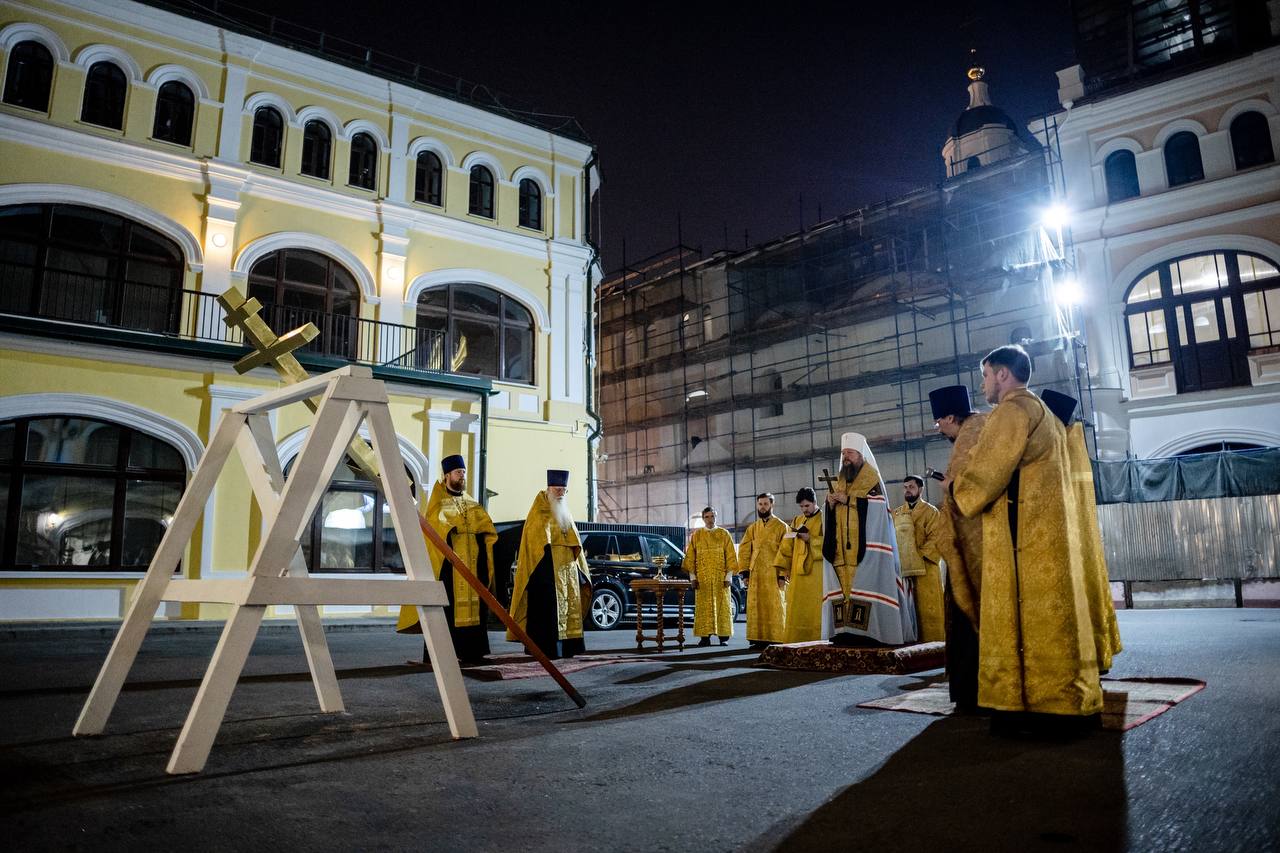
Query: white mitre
x,y
857,441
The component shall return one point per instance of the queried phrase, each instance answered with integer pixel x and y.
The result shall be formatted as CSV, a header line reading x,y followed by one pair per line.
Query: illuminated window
x,y
80,494
485,332
1186,312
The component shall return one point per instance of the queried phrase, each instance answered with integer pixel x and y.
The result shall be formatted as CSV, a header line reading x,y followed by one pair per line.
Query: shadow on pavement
x,y
739,686
956,787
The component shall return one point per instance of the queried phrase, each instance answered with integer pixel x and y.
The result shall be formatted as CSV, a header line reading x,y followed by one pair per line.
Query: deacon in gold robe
x,y
917,526
710,561
799,560
960,540
766,602
866,601
1102,610
1036,652
465,525
550,574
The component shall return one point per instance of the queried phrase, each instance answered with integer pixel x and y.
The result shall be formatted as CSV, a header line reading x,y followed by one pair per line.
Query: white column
x,y
233,96
1151,174
559,331
1216,155
398,170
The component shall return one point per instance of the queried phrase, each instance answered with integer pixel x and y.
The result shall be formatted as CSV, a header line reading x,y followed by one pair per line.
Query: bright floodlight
x,y
1054,217
695,394
1068,292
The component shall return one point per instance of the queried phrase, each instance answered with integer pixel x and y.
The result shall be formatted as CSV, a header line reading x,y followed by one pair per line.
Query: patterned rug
x,y
1126,702
516,665
821,656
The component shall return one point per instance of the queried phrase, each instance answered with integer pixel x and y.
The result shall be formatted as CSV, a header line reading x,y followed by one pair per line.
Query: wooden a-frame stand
x,y
278,574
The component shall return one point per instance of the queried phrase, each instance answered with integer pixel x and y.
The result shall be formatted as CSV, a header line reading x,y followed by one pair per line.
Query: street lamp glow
x,y
1068,292
1054,217
695,394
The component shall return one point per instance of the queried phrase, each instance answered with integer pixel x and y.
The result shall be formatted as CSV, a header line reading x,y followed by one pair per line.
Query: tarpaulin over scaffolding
x,y
1228,474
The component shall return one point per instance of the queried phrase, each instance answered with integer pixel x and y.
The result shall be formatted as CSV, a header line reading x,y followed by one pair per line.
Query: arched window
x,y
530,204
105,87
1251,140
1121,171
481,201
351,530
1203,313
30,76
482,330
364,161
299,286
317,149
175,113
268,137
85,265
82,494
1182,159
428,179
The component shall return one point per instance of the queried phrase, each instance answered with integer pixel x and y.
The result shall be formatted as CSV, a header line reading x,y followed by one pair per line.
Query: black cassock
x,y
543,619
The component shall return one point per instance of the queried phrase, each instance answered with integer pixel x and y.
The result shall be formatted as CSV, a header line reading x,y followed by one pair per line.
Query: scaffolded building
x,y
724,377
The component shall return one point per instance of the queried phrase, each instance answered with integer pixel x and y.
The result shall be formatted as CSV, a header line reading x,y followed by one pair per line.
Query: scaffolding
x,y
725,376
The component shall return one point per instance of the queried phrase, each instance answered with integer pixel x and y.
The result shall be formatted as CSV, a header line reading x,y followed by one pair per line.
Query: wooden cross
x,y
276,351
828,479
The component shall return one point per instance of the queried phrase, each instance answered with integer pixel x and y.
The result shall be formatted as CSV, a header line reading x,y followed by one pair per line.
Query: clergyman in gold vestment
x,y
550,574
766,602
799,560
465,525
1036,651
960,540
916,523
710,561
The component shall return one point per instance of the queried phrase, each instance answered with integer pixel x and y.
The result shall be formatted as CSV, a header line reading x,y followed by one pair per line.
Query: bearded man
x,y
465,525
916,522
550,573
766,602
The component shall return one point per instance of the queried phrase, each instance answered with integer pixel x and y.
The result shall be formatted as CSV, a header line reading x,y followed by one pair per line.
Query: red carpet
x,y
1126,702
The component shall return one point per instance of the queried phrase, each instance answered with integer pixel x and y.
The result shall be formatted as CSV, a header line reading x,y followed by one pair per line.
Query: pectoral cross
x,y
277,351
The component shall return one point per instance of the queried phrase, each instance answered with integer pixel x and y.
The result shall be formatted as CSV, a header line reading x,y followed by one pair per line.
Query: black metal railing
x,y
190,315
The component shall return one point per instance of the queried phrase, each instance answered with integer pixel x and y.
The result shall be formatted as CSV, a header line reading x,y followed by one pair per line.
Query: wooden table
x,y
659,586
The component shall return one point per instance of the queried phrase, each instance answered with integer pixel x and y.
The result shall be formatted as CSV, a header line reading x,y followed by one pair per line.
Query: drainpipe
x,y
598,427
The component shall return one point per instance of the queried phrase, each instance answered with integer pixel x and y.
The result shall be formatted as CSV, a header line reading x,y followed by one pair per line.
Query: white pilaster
x,y
233,95
398,170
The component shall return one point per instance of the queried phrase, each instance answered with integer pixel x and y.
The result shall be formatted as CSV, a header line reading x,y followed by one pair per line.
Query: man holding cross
x,y
865,601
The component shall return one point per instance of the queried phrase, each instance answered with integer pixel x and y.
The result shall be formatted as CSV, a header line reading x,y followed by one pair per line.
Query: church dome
x,y
983,115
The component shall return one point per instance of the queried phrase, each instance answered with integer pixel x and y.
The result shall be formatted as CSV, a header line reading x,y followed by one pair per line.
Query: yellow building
x,y
148,162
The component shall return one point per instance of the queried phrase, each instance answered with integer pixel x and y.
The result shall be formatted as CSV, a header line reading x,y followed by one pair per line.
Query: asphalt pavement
x,y
697,750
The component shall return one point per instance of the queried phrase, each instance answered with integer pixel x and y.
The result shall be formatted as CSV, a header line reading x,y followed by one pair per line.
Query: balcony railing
x,y
190,315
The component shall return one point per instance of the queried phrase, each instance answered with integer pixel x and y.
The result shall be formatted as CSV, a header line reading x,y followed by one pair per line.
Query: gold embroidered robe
x,y
1035,637
710,560
801,563
1102,610
960,538
545,548
919,532
766,602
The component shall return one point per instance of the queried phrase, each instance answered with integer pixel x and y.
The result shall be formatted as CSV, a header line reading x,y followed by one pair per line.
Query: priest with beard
x,y
916,522
766,603
799,560
465,525
865,600
550,574
1037,666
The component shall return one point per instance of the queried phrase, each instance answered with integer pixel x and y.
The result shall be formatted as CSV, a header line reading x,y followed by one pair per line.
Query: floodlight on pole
x,y
1055,217
1068,292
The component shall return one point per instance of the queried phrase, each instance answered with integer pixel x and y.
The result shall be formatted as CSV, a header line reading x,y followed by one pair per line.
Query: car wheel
x,y
735,609
606,609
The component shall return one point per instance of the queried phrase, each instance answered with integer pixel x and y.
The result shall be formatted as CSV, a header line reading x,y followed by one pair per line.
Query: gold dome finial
x,y
976,71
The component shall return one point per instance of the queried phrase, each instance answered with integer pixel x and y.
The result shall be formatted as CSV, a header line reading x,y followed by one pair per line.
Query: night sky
x,y
726,115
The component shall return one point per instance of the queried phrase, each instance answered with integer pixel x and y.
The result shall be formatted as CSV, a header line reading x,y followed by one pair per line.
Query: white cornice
x,y
127,154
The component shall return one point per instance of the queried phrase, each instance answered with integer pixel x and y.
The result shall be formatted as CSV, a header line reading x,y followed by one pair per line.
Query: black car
x,y
617,557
